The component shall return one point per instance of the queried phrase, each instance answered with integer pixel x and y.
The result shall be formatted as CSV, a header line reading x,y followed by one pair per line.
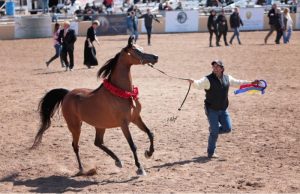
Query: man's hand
x,y
255,82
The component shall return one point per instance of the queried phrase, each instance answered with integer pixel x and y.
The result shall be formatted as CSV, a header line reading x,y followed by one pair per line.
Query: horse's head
x,y
136,55
129,55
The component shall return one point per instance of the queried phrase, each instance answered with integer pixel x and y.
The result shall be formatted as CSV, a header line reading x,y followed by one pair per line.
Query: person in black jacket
x,y
67,38
279,25
90,58
148,18
222,27
216,86
235,22
272,20
212,27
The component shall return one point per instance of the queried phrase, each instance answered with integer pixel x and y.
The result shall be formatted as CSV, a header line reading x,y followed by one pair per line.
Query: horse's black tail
x,y
47,107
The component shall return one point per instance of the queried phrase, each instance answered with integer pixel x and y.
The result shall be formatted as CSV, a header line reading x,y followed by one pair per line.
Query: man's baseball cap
x,y
218,62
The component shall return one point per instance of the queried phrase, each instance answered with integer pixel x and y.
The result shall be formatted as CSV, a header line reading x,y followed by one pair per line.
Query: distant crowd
x,y
279,21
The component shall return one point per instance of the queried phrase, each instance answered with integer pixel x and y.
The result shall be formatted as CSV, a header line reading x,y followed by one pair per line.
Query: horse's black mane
x,y
106,70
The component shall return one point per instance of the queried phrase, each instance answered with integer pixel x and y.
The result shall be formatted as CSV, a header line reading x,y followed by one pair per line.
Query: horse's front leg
x,y
140,124
127,135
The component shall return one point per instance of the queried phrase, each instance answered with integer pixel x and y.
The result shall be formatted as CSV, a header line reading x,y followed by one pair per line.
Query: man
x,y
148,18
279,25
109,4
67,38
235,22
222,27
179,6
216,86
272,21
212,27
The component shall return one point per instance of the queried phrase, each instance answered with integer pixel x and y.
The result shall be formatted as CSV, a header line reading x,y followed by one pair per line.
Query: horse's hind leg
x,y
75,129
100,143
139,122
127,134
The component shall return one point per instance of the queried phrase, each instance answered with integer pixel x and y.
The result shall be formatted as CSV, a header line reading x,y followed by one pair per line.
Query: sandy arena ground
x,y
262,154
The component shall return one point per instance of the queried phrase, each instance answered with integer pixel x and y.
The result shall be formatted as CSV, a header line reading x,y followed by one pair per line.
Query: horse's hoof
x,y
91,172
141,172
147,154
80,173
119,164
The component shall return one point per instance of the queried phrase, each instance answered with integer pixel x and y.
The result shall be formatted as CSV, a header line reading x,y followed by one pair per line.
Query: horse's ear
x,y
130,41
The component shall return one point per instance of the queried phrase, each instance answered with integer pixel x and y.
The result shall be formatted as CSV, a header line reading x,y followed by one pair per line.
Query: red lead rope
x,y
119,92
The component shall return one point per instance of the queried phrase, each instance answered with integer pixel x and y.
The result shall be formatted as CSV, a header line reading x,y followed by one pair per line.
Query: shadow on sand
x,y
51,184
58,184
201,159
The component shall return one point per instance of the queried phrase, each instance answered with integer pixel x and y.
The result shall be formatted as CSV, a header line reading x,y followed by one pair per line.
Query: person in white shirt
x,y
216,86
288,25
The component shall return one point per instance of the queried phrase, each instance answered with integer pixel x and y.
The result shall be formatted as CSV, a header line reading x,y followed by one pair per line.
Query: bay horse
x,y
113,104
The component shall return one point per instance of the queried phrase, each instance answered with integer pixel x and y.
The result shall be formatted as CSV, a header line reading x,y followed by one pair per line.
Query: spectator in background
x,y
90,58
72,2
126,5
148,18
94,6
293,8
160,6
109,6
57,46
212,27
135,9
67,2
45,6
129,22
54,12
135,25
79,12
222,27
211,3
288,25
67,38
272,21
260,2
87,6
167,6
279,25
88,13
235,22
179,6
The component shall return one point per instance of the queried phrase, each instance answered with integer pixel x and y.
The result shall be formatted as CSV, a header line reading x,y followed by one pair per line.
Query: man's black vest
x,y
217,95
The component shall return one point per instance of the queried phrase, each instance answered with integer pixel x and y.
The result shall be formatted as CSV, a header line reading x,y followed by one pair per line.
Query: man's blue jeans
x,y
236,32
287,35
219,123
